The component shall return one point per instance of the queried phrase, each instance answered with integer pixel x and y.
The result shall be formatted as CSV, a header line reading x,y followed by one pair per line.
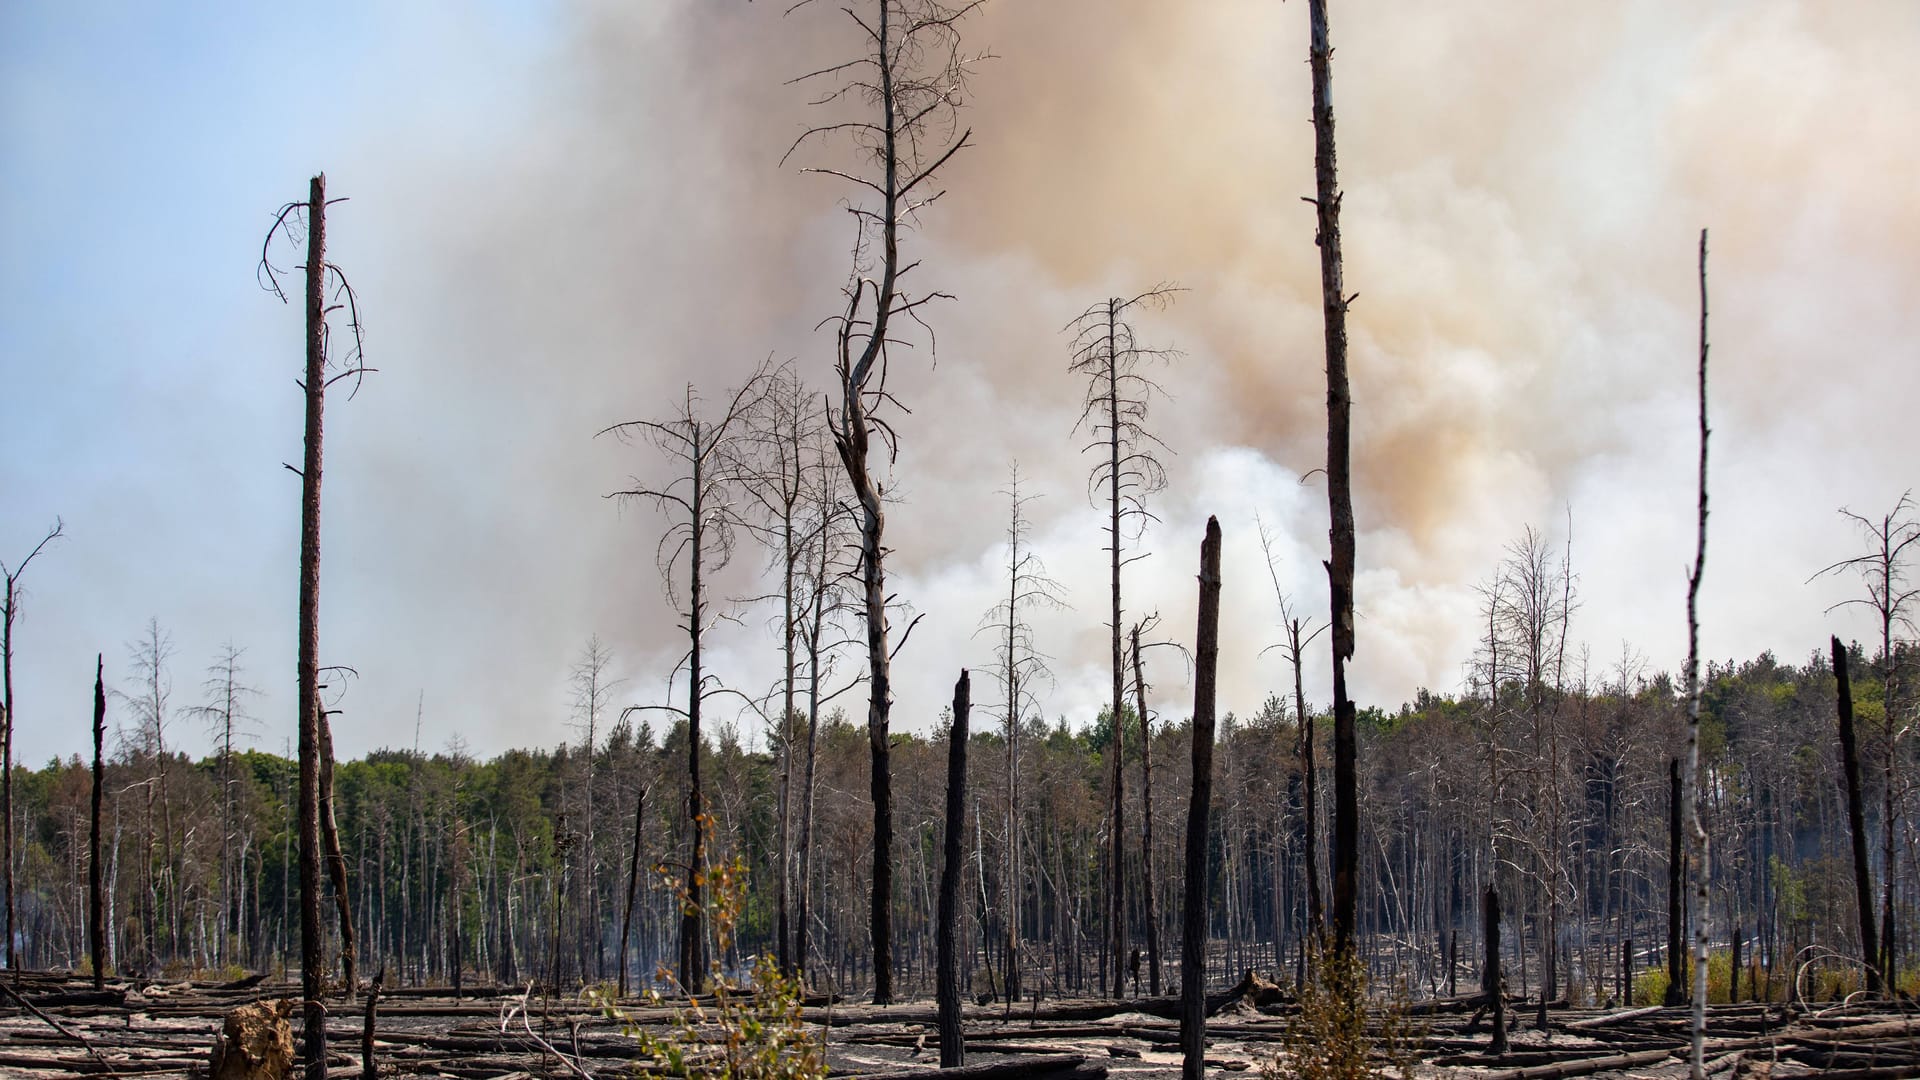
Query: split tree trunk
x,y
633,885
953,1048
336,862
96,901
1193,916
1856,819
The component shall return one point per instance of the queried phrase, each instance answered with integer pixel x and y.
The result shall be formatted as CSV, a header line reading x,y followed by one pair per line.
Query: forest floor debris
x,y
169,1031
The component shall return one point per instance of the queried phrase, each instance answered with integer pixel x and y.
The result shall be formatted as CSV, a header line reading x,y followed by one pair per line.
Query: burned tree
x,y
8,614
1856,819
1333,308
96,898
1106,354
907,79
1193,916
1698,860
1891,599
700,506
780,461
953,1048
327,291
1299,634
1020,667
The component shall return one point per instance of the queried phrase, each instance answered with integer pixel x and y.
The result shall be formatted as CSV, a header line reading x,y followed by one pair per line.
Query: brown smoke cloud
x,y
1523,184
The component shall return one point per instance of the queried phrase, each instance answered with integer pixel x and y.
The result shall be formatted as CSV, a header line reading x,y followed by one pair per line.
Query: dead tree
x,y
96,898
633,882
8,614
908,78
1676,902
1020,667
1151,904
591,691
699,502
1491,980
780,461
336,861
327,291
953,1047
1300,633
1106,353
226,716
1333,307
1856,819
1884,569
1193,916
1699,855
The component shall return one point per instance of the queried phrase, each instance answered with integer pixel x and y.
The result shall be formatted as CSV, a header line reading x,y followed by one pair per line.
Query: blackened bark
x,y
1490,980
368,1069
1333,304
953,1047
312,946
693,938
336,862
96,897
1193,916
633,884
1856,818
1676,869
1117,807
1146,821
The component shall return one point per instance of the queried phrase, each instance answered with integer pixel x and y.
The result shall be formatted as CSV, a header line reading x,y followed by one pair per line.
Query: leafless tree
x,y
1105,352
1699,854
7,616
327,291
1299,634
700,504
1021,668
900,96
1883,567
149,697
781,469
1333,307
226,717
591,687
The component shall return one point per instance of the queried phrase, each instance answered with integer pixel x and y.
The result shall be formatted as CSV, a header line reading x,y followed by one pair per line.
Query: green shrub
x,y
754,1032
1338,1029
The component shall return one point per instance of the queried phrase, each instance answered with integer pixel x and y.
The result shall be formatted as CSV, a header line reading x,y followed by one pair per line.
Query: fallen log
x,y
1582,1067
1613,1018
1031,1067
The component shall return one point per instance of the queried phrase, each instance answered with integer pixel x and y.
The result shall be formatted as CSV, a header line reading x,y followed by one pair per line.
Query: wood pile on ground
x,y
56,1026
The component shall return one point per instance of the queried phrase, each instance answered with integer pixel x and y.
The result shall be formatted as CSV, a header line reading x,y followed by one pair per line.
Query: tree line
x,y
519,868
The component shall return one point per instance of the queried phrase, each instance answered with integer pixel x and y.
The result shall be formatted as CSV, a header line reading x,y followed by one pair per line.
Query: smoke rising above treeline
x,y
609,219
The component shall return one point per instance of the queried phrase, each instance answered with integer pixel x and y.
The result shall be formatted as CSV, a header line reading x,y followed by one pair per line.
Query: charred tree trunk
x,y
1676,872
1193,916
1491,980
1333,304
96,900
1146,820
1856,819
1116,851
336,862
693,939
312,944
1700,862
633,885
953,1048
